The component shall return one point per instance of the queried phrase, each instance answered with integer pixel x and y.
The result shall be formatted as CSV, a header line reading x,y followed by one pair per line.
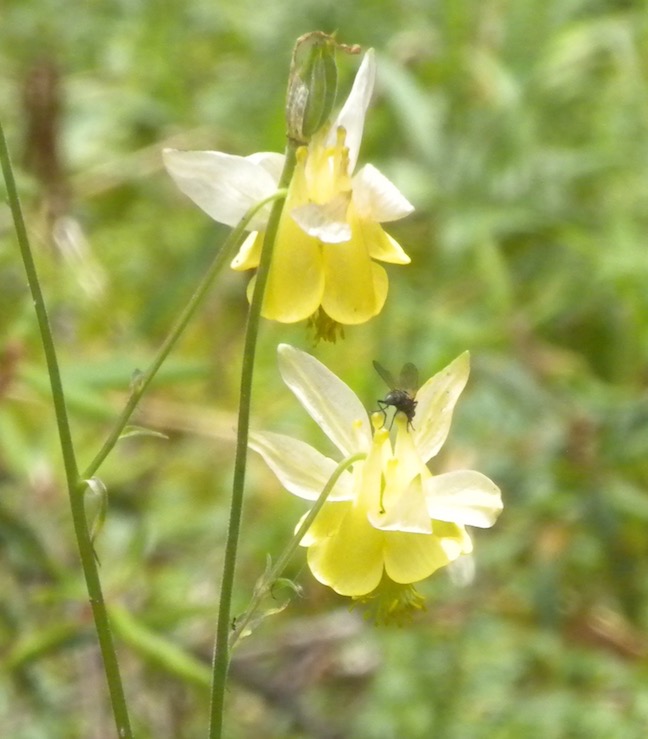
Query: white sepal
x,y
352,115
329,401
435,403
302,470
376,198
223,185
463,497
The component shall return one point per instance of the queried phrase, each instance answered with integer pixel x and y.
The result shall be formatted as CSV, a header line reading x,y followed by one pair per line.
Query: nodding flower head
x,y
330,238
389,521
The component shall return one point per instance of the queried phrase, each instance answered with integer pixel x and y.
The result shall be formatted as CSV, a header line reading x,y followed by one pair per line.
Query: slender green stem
x,y
221,648
143,381
263,588
75,487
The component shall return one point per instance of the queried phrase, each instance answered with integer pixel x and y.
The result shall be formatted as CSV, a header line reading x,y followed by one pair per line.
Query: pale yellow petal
x,y
404,506
367,478
454,538
326,523
410,462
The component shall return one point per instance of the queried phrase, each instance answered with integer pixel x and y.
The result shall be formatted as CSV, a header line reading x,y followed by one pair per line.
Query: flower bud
x,y
312,85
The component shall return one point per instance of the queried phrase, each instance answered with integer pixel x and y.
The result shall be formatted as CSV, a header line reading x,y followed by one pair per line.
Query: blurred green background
x,y
520,132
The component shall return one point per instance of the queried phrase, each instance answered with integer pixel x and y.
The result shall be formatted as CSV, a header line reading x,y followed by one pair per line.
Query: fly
x,y
402,393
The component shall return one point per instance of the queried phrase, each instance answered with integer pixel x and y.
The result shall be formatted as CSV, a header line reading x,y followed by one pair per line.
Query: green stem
x,y
276,571
221,648
74,485
142,383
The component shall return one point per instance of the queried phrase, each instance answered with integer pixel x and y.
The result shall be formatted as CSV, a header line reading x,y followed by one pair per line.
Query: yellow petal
x,y
296,279
381,245
413,557
249,253
350,561
356,288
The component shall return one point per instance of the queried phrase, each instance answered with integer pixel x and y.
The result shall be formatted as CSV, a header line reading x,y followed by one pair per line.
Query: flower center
x,y
326,169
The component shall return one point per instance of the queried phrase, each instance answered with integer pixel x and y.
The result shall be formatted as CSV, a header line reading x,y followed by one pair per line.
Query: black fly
x,y
402,392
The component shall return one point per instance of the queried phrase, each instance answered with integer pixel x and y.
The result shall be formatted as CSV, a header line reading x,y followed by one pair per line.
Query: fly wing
x,y
409,378
385,374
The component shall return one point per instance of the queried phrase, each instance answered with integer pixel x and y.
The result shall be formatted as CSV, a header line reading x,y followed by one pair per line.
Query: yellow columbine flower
x,y
389,516
330,232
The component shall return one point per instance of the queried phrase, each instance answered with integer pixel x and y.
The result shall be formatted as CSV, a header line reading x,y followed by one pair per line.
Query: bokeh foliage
x,y
520,132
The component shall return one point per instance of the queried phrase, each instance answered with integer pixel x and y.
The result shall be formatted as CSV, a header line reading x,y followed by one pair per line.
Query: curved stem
x,y
221,648
143,381
74,485
269,577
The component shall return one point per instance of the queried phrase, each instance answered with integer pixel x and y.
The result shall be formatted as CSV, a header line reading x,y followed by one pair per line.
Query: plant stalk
x,y
75,486
221,658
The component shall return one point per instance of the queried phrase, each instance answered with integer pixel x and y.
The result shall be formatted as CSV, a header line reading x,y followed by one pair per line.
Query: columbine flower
x,y
330,231
389,517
